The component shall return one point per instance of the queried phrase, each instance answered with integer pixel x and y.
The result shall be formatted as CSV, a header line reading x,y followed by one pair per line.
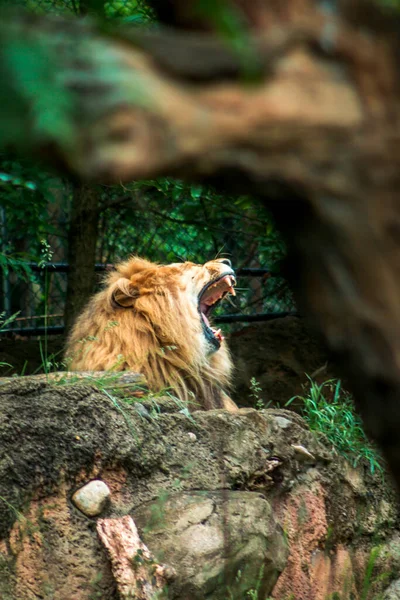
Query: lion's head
x,y
155,319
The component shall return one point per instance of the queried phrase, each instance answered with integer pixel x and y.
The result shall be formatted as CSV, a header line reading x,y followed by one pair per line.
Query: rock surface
x,y
235,508
393,591
278,354
229,532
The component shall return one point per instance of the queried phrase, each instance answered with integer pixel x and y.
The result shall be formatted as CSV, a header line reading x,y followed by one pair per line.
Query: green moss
x,y
7,577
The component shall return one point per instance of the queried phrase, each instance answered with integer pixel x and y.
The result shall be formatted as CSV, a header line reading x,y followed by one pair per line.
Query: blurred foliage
x,y
213,223
131,10
26,192
168,220
165,220
390,4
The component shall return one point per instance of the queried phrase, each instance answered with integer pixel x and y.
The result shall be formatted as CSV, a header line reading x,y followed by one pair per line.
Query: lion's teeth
x,y
232,291
217,333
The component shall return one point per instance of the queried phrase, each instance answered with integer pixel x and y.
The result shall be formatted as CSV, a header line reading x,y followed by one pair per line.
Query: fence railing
x,y
40,301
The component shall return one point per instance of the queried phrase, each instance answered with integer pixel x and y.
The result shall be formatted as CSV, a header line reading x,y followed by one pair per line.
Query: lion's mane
x,y
146,320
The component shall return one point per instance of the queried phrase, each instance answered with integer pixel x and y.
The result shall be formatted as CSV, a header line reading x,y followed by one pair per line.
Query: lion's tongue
x,y
206,321
216,332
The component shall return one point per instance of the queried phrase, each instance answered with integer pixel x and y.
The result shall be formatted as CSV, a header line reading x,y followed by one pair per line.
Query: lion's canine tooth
x,y
232,291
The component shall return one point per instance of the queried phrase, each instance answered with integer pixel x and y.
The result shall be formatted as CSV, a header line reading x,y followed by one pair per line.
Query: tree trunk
x,y
82,240
344,264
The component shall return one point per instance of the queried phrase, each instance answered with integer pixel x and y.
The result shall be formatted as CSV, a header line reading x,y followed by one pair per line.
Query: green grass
x,y
4,322
329,410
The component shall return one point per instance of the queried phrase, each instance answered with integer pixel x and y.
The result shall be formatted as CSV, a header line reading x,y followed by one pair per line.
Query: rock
x,y
393,591
277,354
244,463
302,453
389,558
135,571
354,478
142,410
282,422
92,498
218,543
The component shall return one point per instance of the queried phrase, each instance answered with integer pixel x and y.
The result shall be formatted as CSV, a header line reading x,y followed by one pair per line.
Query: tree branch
x,y
121,115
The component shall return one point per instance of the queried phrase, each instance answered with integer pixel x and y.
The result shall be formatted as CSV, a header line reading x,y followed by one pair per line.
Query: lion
x,y
155,319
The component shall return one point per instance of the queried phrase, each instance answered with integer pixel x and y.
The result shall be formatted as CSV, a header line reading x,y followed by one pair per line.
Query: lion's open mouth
x,y
209,297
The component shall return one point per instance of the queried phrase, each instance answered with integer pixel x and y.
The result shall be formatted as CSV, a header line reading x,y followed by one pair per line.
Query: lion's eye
x,y
226,261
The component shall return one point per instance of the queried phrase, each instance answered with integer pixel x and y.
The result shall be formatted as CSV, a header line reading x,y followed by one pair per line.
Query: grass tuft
x,y
329,410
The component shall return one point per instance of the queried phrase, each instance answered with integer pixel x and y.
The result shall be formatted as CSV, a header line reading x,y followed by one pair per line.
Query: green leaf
x,y
196,191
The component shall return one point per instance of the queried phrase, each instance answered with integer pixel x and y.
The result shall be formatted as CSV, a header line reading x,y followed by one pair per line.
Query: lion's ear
x,y
124,293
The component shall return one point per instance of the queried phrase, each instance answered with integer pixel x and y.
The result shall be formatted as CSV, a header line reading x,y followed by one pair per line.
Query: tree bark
x,y
82,240
310,124
345,266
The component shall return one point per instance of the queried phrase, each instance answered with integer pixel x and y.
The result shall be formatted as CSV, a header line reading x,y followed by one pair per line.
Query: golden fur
x,y
147,320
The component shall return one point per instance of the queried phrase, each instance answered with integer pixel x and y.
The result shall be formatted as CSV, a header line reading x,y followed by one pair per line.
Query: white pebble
x,y
92,497
192,436
282,422
303,453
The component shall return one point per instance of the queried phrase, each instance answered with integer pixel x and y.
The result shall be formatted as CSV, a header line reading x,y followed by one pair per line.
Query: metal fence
x,y
37,305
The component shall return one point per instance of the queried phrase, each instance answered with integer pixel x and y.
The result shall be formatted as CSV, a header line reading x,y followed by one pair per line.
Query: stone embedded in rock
x,y
135,571
302,453
282,422
192,436
217,542
92,497
393,591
